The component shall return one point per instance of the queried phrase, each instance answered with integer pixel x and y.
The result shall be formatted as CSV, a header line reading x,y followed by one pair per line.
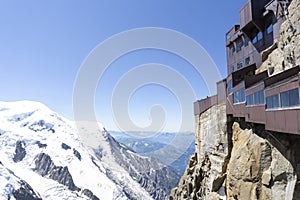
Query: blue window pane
x,y
239,96
261,97
269,102
256,98
270,29
294,97
232,69
230,87
228,36
235,97
231,50
242,95
249,100
246,41
275,101
284,99
259,36
239,45
272,101
239,65
247,61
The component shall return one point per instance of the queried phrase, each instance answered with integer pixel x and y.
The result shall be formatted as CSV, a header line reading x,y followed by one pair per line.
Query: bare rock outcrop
x,y
258,170
205,174
287,53
263,165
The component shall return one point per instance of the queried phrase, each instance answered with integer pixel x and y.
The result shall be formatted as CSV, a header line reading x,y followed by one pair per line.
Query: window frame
x,y
239,65
247,61
231,50
239,45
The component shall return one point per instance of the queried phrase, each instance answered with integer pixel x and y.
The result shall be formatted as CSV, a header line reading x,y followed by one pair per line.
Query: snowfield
x,y
45,156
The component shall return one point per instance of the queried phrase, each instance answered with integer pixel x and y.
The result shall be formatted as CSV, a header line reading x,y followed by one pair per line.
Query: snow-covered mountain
x,y
45,156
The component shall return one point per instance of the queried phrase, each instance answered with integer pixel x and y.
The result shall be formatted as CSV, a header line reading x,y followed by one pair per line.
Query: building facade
x,y
272,101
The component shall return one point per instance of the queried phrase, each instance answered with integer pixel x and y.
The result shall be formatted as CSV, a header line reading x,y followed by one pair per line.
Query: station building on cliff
x,y
256,94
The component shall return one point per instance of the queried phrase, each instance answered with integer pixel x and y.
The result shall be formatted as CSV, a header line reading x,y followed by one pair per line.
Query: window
x,y
232,69
230,87
246,42
259,36
249,100
239,65
239,96
270,101
273,101
256,99
294,97
235,97
228,36
276,101
231,50
242,95
259,97
239,44
289,98
247,61
270,29
254,40
284,99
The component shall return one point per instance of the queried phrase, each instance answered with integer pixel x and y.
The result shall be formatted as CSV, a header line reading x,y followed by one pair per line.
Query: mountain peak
x,y
56,157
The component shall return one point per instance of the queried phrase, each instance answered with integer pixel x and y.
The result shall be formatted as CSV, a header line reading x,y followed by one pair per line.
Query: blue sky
x,y
44,43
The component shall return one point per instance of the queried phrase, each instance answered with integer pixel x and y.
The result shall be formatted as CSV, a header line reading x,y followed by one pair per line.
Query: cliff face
x,y
206,171
286,52
263,165
256,165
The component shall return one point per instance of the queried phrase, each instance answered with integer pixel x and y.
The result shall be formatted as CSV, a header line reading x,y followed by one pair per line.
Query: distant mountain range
x,y
45,156
159,145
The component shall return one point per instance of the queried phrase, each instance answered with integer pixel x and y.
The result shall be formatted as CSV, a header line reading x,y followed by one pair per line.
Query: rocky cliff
x,y
263,165
205,174
240,163
285,53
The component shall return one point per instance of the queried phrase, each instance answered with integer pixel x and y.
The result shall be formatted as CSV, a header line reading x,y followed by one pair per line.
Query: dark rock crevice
x,y
25,192
46,168
20,152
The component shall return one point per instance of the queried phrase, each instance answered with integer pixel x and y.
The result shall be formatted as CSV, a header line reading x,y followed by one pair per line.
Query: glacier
x,y
46,156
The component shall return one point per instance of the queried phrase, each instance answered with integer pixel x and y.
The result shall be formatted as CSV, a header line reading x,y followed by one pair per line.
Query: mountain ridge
x,y
47,153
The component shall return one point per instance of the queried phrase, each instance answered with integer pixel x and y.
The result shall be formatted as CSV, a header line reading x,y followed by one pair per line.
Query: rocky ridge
x,y
286,52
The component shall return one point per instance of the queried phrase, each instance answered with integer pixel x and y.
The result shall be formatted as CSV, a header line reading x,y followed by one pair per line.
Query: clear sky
x,y
44,43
